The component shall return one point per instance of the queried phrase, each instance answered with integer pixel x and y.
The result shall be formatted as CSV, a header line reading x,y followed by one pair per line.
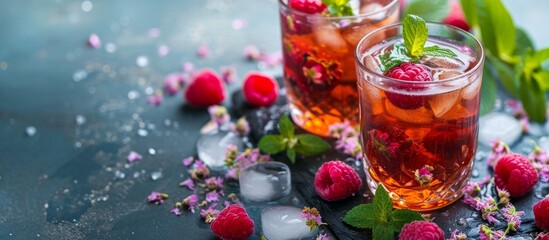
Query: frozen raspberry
x,y
515,174
308,6
421,230
541,213
336,180
456,17
205,89
412,72
233,223
260,90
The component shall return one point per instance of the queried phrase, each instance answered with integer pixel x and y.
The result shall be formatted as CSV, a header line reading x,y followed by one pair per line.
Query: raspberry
x,y
205,89
514,173
412,72
260,90
421,230
336,180
233,223
308,6
541,213
456,18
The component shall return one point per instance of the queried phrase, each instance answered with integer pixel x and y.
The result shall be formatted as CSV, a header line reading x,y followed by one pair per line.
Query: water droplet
x,y
136,174
79,75
462,222
133,95
167,122
110,47
30,131
142,132
149,90
119,174
156,175
46,205
475,173
77,144
539,194
142,61
152,151
86,6
80,120
475,214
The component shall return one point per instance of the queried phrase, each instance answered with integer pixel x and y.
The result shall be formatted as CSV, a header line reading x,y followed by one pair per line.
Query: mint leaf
x,y
286,127
531,95
361,216
400,217
507,75
542,77
383,232
523,41
415,34
470,11
272,144
338,7
436,51
290,153
308,145
394,58
503,26
430,10
488,91
534,60
383,205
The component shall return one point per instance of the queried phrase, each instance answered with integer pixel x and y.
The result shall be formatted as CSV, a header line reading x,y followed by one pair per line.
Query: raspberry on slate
x,y
205,89
412,72
336,180
541,213
308,6
233,223
421,230
515,174
260,90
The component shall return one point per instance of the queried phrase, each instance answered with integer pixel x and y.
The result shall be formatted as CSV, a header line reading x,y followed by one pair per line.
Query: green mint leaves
x,y
380,216
338,7
415,34
302,144
510,52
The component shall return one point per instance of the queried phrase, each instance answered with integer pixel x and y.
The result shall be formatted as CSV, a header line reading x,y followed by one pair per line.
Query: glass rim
x,y
362,66
319,16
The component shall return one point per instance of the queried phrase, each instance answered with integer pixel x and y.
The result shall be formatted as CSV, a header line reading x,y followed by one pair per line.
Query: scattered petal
x,y
252,53
176,211
188,67
189,183
219,115
134,156
173,82
188,161
312,218
157,198
228,74
156,99
241,127
209,214
163,50
239,24
94,41
203,51
154,32
212,196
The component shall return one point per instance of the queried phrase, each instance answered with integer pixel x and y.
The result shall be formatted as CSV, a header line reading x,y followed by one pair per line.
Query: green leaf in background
x,y
272,144
436,51
430,10
338,7
504,30
488,91
531,97
290,153
523,42
286,127
507,76
534,60
415,35
309,145
487,33
470,11
361,216
542,77
400,217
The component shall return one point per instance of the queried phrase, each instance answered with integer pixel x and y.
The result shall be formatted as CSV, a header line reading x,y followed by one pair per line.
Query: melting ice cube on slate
x,y
211,147
285,223
265,181
494,126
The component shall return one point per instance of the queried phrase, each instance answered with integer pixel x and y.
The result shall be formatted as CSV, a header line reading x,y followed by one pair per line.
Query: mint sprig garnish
x,y
302,144
380,216
338,7
415,35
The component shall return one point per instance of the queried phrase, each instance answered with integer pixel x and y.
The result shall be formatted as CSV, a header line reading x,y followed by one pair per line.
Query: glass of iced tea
x,y
419,136
318,49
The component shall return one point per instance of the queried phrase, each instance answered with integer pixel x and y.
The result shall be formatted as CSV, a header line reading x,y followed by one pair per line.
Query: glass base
x,y
423,199
318,125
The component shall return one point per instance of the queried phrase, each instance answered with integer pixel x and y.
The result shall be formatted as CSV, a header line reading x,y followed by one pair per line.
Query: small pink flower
x,y
252,53
163,50
424,175
190,202
516,108
188,183
157,198
271,60
512,216
213,183
212,196
176,211
173,83
241,127
94,41
200,170
232,174
457,235
188,161
156,98
228,74
323,236
134,156
154,32
203,51
188,67
219,115
499,149
524,124
209,214
312,218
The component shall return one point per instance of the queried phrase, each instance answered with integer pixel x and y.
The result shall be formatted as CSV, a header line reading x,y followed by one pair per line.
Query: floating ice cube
x,y
442,103
285,223
494,126
418,115
211,147
446,64
266,181
328,36
373,7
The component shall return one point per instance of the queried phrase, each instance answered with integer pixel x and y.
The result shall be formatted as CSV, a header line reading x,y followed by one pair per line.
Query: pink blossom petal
x,y
188,161
134,156
252,53
188,67
239,24
156,99
173,83
163,50
189,183
203,51
94,41
154,32
176,211
228,74
212,196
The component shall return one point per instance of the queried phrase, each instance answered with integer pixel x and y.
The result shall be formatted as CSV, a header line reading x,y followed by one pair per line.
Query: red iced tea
x,y
319,69
420,138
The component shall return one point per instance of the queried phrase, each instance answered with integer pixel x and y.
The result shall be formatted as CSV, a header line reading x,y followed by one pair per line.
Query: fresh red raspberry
x,y
205,89
233,223
336,180
421,230
413,72
541,213
260,90
308,6
514,173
